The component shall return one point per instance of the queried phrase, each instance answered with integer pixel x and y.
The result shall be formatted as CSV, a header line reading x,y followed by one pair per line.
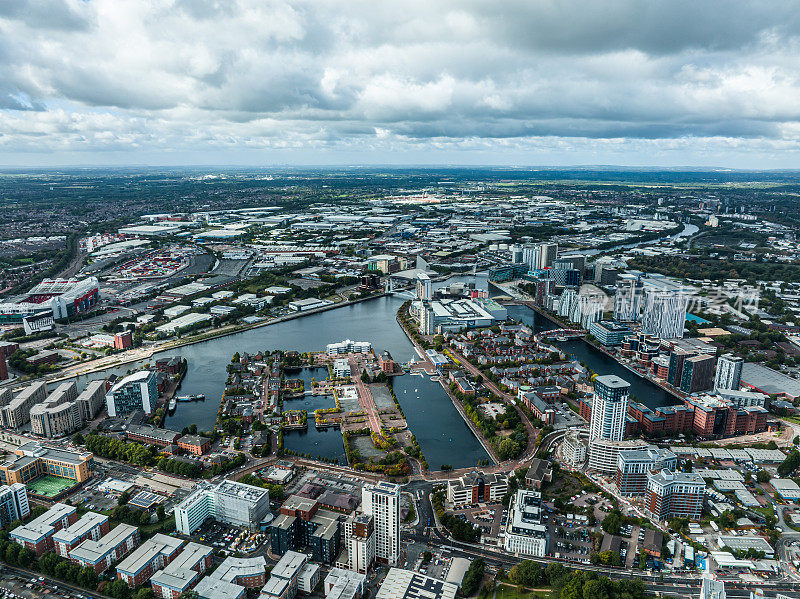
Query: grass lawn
x,y
49,485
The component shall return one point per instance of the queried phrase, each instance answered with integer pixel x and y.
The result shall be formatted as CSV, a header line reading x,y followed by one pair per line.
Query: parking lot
x,y
489,517
229,539
14,586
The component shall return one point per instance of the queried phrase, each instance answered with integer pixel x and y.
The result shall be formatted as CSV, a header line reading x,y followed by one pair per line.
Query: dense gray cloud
x,y
517,81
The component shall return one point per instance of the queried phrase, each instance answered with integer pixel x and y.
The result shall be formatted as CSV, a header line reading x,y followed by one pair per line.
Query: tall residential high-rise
x,y
382,502
547,253
424,291
13,503
539,256
609,408
664,308
359,539
607,424
628,298
729,372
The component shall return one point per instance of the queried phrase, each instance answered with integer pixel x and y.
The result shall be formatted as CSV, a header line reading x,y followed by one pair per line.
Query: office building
x,y
33,459
182,573
634,464
477,487
674,495
194,444
304,524
111,547
564,275
664,307
341,368
545,255
525,533
609,333
605,274
149,557
89,526
37,534
147,433
729,373
13,504
382,502
604,453
344,584
138,391
17,411
348,347
227,501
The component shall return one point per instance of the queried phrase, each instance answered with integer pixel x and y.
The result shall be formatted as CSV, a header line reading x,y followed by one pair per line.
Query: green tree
x,y
613,521
790,464
508,449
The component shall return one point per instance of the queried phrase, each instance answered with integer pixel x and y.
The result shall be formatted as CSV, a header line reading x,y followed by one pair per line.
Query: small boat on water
x,y
173,403
198,397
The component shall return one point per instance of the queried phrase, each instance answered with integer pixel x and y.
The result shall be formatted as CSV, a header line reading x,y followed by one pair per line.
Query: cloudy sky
x,y
529,82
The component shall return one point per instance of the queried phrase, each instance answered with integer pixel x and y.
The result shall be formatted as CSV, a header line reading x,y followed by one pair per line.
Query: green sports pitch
x,y
49,485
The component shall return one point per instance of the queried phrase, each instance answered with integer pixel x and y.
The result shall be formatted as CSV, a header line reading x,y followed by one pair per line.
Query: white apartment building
x,y
573,448
477,487
525,534
424,287
13,503
360,543
382,502
604,453
227,501
628,298
664,308
729,373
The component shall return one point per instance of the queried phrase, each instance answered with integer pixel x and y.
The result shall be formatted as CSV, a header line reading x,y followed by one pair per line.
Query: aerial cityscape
x,y
348,301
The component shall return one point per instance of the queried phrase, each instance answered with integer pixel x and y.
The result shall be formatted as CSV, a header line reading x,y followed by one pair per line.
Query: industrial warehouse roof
x,y
769,381
405,584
